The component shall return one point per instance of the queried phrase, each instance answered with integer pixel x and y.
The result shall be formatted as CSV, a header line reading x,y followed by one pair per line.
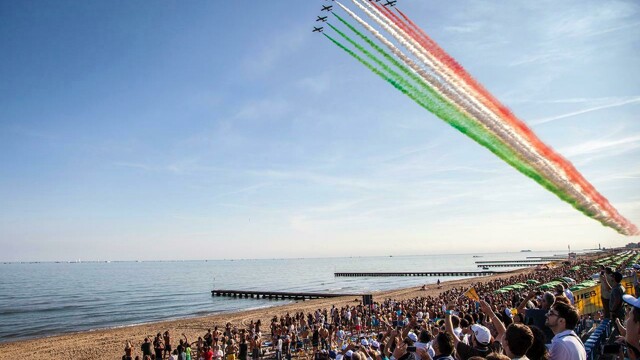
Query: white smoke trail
x,y
568,171
472,106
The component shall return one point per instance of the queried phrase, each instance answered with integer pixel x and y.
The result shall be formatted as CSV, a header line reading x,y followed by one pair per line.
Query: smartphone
x,y
398,327
411,348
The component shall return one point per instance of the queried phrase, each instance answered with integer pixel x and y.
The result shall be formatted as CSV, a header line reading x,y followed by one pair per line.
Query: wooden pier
x,y
276,295
512,264
509,262
416,273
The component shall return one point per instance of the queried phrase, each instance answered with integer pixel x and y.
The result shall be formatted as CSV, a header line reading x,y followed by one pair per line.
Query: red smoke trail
x,y
492,103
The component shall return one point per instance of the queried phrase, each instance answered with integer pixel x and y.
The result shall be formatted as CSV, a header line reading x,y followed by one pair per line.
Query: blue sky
x,y
205,130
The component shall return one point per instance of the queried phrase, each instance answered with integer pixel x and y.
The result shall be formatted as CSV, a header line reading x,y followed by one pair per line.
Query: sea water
x,y
44,299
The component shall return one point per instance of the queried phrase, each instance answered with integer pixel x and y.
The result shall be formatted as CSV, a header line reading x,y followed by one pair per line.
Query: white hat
x,y
349,354
631,300
483,335
344,346
364,342
412,336
419,315
375,344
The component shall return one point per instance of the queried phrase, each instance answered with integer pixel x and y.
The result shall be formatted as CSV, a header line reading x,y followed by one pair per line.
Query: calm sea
x,y
44,299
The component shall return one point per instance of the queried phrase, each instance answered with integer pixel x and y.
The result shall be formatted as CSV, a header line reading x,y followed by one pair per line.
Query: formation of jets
x,y
328,8
388,3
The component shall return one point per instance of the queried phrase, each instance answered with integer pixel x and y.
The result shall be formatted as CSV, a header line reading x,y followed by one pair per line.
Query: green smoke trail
x,y
435,97
540,178
442,108
393,74
412,75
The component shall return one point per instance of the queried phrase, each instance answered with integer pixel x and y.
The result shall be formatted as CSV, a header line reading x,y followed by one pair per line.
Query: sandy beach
x,y
109,343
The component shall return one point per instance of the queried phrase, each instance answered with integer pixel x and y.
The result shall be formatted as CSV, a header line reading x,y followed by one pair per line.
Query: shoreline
x,y
109,343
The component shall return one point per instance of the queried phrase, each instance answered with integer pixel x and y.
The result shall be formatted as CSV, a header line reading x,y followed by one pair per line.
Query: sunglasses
x,y
551,313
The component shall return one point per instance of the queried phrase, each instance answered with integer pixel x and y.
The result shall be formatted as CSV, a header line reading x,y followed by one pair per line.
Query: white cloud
x,y
616,146
265,108
615,103
315,84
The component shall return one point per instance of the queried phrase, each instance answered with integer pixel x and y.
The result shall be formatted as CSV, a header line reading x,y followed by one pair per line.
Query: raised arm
x,y
524,302
448,324
499,325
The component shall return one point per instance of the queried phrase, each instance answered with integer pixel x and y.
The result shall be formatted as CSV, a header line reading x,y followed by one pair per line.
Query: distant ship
x,y
477,255
525,250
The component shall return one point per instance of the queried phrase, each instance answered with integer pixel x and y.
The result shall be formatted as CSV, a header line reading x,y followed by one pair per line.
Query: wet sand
x,y
109,343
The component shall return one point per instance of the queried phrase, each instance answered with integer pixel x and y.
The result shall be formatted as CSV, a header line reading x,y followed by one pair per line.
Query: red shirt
x,y
208,355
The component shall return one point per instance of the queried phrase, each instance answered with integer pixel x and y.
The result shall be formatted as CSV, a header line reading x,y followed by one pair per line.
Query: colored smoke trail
x,y
447,111
444,88
587,204
495,105
450,114
469,105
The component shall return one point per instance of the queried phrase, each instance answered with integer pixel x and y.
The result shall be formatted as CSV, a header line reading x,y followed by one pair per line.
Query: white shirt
x,y
426,346
217,354
567,346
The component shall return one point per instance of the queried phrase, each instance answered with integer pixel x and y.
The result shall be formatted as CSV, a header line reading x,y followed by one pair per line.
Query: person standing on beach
x,y
146,347
279,345
158,346
243,349
167,343
324,338
128,349
208,338
217,353
255,347
208,353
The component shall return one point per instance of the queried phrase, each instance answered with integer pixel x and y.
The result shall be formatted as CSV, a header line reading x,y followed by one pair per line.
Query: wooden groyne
x,y
415,273
510,261
512,264
276,295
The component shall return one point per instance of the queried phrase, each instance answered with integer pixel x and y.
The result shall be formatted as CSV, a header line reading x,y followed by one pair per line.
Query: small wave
x,y
31,310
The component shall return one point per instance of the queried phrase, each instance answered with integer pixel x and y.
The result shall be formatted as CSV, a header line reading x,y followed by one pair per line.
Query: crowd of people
x,y
523,324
